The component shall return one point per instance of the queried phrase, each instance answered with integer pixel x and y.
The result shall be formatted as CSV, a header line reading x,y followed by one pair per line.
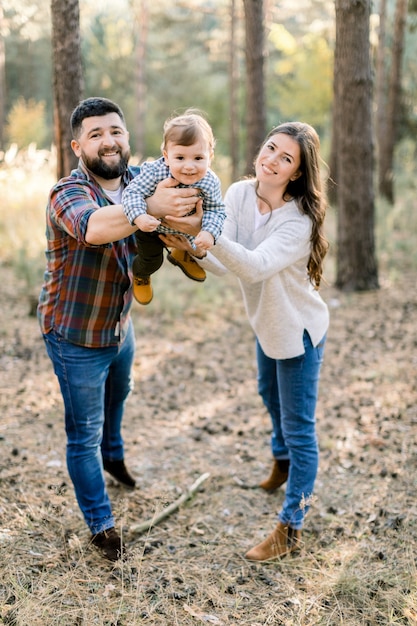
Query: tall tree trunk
x,y
332,187
388,135
141,13
381,81
67,77
255,79
2,81
233,94
356,263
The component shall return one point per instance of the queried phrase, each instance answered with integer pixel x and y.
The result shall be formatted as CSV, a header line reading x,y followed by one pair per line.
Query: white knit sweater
x,y
271,266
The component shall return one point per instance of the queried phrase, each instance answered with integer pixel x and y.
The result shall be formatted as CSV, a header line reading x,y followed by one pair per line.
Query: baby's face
x,y
188,164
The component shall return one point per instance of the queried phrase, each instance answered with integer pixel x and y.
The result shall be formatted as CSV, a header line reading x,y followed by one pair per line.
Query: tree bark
x,y
141,13
67,77
381,80
356,262
388,133
2,81
233,94
332,186
255,79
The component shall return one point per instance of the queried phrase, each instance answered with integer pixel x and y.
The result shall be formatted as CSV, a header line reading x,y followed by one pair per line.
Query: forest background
x,y
195,408
157,58
187,57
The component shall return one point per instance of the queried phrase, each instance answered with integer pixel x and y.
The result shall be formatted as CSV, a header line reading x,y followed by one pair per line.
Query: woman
x,y
273,242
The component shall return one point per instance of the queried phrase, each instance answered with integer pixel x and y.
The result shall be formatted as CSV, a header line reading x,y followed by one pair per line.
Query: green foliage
x,y
396,224
185,66
186,63
302,85
27,124
25,179
26,30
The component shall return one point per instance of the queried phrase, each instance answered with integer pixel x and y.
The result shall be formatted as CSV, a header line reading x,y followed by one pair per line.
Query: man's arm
x,y
109,223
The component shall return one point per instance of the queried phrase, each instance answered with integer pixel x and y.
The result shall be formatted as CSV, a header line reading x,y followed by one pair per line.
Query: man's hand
x,y
171,199
190,224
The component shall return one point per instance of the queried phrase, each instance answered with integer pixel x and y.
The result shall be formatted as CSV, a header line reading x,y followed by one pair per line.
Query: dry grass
x,y
195,409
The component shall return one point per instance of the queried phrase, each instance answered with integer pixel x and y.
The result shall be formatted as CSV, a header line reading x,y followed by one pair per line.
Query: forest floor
x,y
195,410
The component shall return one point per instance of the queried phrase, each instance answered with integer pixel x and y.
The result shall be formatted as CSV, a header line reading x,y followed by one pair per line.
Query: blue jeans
x,y
289,389
95,383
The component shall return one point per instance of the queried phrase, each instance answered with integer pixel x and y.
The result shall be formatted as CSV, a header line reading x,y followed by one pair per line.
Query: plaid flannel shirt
x,y
144,185
86,295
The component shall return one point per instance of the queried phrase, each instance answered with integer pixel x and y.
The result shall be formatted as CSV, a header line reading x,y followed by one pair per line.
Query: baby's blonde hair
x,y
187,129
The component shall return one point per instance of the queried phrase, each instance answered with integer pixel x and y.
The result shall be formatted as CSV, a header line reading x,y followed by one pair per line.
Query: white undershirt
x,y
115,196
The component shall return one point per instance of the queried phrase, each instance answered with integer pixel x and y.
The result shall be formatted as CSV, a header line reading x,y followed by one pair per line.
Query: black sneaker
x,y
110,544
118,470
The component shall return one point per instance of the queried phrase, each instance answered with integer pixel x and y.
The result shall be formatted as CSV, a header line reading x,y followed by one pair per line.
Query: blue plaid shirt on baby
x,y
144,185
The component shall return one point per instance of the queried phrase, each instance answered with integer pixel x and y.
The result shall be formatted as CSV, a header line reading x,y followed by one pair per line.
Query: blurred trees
x,y
26,34
304,71
140,11
390,97
353,147
26,123
67,78
188,46
2,79
255,79
185,62
249,64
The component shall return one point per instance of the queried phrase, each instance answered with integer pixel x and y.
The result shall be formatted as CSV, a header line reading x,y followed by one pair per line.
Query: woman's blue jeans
x,y
289,389
95,383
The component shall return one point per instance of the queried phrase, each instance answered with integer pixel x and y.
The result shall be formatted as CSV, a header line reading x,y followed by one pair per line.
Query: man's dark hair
x,y
91,107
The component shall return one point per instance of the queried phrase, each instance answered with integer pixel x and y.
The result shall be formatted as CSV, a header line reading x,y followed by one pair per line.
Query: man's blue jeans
x,y
289,389
95,383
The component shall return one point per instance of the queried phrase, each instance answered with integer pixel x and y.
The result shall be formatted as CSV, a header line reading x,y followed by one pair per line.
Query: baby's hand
x,y
204,240
147,223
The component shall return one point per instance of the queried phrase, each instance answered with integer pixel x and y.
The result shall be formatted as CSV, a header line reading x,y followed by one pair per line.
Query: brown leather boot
x,y
110,544
187,264
142,289
280,542
278,475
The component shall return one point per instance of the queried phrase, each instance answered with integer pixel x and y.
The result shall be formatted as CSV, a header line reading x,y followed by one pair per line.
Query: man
x,y
85,302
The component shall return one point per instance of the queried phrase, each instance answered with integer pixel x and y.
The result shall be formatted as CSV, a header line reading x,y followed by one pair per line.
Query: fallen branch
x,y
140,528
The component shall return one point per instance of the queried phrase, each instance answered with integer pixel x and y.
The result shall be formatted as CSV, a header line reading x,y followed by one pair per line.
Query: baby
x,y
187,148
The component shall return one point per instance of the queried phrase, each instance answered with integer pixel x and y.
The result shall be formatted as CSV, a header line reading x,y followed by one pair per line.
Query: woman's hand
x,y
182,243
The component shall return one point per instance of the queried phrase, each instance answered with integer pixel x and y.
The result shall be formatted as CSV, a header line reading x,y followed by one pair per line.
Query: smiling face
x,y
278,161
188,164
103,145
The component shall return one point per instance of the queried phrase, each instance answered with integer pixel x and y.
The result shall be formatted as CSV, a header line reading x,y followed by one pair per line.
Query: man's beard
x,y
98,167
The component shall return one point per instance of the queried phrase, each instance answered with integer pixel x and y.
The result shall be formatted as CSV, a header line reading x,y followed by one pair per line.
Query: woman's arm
x,y
203,258
285,246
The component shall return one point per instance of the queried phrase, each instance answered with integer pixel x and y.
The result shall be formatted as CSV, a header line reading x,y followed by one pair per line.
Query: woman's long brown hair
x,y
307,190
